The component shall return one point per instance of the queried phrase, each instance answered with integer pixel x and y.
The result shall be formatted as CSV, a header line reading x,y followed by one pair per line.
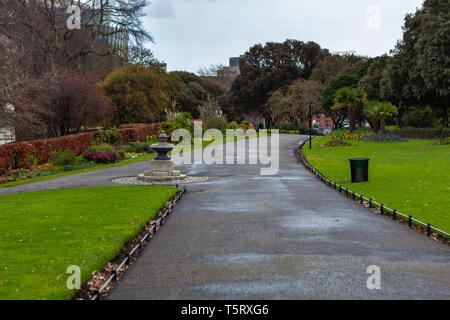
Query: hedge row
x,y
17,154
422,133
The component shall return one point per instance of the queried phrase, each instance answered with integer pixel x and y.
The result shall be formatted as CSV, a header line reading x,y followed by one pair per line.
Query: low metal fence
x,y
372,204
146,238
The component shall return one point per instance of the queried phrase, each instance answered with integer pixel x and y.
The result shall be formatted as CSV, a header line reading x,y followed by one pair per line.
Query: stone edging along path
x,y
102,282
133,181
417,225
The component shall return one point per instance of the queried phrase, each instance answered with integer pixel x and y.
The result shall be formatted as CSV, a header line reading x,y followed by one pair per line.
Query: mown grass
x,y
412,177
43,233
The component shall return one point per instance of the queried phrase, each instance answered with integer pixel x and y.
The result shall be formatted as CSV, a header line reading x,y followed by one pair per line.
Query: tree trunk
x,y
383,126
376,124
445,121
351,118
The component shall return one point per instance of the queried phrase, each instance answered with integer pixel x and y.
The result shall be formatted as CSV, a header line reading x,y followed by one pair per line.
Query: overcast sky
x,y
193,33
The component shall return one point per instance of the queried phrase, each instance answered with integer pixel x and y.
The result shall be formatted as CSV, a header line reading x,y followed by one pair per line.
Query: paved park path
x,y
246,236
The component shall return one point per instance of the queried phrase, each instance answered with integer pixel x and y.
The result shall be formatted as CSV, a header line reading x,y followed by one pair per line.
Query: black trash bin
x,y
360,169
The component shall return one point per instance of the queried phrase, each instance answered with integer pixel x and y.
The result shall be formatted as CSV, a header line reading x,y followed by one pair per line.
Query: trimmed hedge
x,y
422,133
17,154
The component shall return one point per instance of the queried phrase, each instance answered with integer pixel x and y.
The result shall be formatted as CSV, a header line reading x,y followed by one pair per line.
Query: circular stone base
x,y
135,182
151,179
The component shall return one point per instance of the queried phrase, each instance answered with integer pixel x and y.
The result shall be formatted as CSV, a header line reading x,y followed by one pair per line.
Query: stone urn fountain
x,y
161,167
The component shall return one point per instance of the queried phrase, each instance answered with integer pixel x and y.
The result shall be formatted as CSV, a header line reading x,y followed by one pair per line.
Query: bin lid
x,y
359,159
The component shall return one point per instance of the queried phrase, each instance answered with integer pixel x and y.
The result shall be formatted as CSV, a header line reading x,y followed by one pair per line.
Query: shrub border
x,y
18,153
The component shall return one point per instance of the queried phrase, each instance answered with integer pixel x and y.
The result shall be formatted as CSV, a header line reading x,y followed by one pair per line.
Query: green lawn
x,y
42,233
412,177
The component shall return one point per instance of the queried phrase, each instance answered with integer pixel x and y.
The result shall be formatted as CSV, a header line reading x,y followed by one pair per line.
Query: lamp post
x,y
310,126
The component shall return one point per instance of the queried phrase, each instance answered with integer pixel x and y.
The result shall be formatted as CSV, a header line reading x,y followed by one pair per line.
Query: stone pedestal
x,y
161,170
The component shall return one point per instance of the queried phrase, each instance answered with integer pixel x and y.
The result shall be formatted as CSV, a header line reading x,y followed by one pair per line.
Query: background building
x,y
7,132
232,71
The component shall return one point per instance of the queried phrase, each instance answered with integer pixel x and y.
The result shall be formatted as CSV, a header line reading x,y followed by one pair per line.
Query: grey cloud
x,y
162,9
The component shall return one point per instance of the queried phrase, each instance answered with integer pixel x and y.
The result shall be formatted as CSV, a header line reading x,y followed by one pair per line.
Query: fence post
x,y
382,209
370,203
429,229
410,221
362,201
114,273
394,215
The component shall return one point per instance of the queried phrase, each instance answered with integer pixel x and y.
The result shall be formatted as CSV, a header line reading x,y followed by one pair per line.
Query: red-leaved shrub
x,y
101,157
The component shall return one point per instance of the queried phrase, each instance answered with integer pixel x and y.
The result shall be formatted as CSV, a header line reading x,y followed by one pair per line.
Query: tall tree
x,y
269,67
193,90
339,116
71,102
334,65
342,81
419,74
39,29
145,57
291,103
371,82
138,93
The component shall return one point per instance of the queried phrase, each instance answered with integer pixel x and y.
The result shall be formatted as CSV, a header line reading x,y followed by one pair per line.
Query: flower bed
x,y
384,137
337,143
290,131
134,155
347,135
25,173
444,142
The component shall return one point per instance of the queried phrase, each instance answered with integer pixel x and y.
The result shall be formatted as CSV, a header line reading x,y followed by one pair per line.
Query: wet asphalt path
x,y
97,178
246,236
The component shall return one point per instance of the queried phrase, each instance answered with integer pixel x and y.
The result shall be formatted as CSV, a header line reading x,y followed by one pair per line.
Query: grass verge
x,y
42,233
412,177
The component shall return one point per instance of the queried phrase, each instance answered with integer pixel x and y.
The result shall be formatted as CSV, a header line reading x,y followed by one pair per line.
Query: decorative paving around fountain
x,y
135,182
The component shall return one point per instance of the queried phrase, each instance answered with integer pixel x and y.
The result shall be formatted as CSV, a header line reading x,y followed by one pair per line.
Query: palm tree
x,y
379,112
354,99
